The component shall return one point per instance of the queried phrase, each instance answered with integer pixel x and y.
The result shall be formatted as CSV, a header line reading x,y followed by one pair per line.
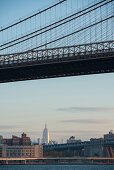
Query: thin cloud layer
x,y
4,127
86,121
10,128
86,109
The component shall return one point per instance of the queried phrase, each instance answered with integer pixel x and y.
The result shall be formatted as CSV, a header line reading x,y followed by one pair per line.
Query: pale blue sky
x,y
82,106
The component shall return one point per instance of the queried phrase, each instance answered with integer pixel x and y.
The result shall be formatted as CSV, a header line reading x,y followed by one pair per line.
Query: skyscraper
x,y
45,139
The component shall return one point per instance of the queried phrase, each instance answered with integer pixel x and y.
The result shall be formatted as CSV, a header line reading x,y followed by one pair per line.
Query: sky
x,y
80,106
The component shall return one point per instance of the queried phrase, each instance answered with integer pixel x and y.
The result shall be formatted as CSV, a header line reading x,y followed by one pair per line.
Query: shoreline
x,y
57,161
55,164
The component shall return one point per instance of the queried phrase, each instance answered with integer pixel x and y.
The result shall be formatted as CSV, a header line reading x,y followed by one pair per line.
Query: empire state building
x,y
45,139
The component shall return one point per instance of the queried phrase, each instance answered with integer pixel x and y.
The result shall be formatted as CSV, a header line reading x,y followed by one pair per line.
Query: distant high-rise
x,y
38,140
45,139
1,139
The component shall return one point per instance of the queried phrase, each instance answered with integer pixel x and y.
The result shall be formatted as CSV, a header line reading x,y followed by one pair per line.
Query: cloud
x,y
86,109
86,121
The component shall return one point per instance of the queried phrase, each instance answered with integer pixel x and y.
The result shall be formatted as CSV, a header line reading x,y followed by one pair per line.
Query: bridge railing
x,y
77,52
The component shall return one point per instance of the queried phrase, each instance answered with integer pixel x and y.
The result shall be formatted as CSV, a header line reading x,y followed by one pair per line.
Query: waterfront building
x,y
25,140
19,147
34,151
109,136
45,139
94,148
18,141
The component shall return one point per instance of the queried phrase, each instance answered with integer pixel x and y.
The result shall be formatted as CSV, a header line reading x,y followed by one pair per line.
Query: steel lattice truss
x,y
78,52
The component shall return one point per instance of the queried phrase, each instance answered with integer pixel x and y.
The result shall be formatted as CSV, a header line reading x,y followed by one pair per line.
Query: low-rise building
x,y
94,148
73,140
18,141
109,137
33,151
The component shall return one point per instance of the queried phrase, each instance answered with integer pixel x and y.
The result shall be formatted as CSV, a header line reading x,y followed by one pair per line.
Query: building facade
x,y
109,137
94,148
101,147
18,141
34,151
19,147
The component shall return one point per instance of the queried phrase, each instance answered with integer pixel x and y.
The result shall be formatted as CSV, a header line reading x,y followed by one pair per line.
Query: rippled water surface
x,y
57,167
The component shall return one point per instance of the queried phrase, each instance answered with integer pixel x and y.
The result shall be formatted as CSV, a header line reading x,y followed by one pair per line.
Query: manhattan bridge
x,y
66,38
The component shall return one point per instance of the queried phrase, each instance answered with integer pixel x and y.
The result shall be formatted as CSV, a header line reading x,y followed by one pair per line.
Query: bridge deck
x,y
60,62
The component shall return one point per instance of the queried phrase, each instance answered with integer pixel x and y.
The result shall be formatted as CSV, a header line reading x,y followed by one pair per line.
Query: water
x,y
57,167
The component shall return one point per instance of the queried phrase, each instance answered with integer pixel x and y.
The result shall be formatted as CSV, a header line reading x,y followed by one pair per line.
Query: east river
x,y
56,167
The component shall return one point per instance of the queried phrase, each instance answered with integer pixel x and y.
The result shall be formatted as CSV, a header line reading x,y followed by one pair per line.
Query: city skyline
x,y
45,136
79,106
85,119
45,140
19,147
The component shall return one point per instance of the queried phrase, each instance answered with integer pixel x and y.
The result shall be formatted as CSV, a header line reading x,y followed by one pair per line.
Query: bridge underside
x,y
59,68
